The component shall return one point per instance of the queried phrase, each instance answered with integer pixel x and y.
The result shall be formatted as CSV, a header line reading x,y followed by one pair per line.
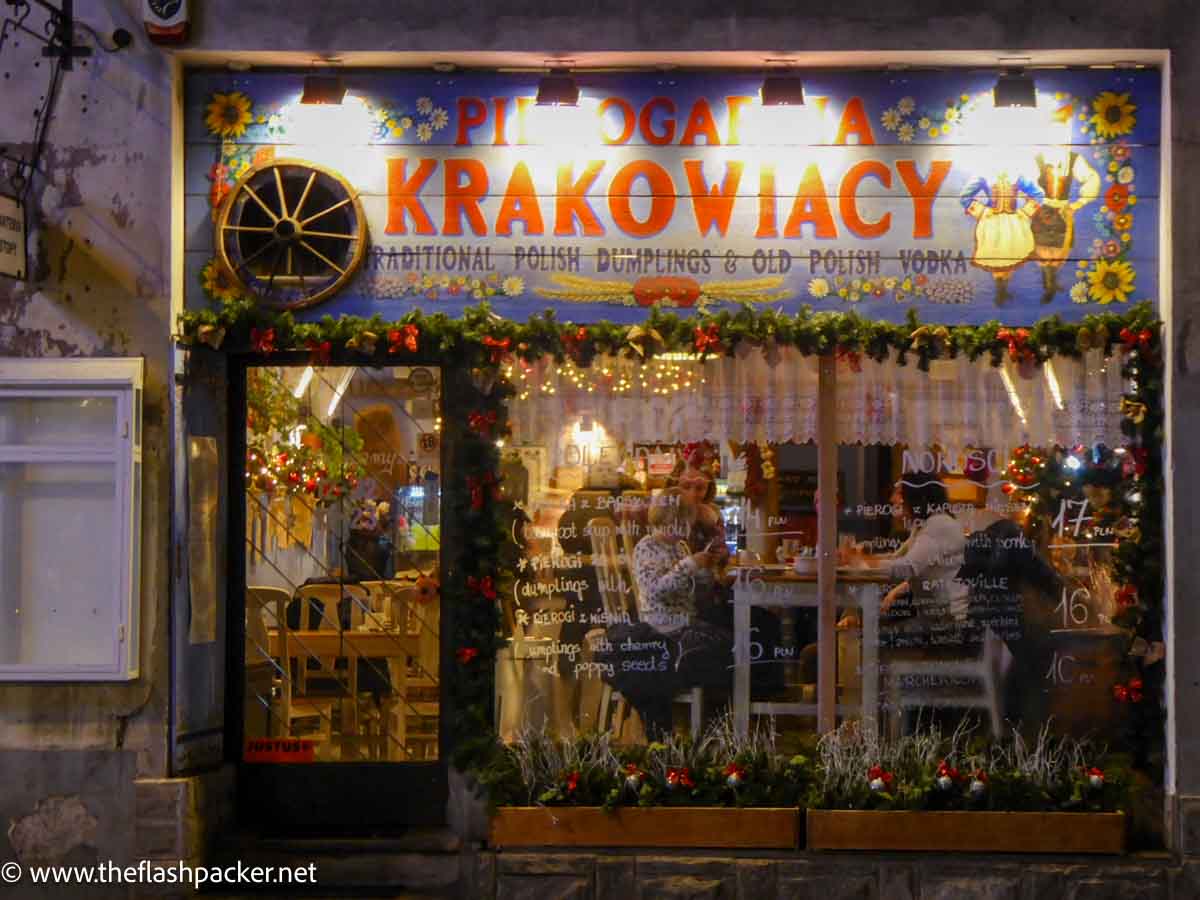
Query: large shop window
x,y
70,518
343,491
673,513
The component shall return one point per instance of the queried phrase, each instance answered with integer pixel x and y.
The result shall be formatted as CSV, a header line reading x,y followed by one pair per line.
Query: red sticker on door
x,y
278,750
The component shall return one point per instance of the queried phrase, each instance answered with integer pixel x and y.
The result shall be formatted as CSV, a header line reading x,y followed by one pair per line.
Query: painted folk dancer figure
x,y
1054,223
1003,235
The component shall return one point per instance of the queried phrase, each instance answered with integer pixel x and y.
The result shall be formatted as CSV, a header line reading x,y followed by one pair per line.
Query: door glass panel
x,y
342,492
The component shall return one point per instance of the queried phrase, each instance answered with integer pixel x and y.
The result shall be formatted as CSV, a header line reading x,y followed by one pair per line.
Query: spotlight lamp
x,y
1015,89
327,90
782,90
557,88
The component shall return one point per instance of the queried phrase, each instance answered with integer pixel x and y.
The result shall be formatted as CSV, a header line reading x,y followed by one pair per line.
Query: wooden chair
x,y
293,703
263,711
983,672
388,725
333,686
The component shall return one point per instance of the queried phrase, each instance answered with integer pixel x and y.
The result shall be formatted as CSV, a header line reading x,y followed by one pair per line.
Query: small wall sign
x,y
13,262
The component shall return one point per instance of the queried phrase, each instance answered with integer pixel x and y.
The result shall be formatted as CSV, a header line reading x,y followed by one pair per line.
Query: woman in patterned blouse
x,y
669,575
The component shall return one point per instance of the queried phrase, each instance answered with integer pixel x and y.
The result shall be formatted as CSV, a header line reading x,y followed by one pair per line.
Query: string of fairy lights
x,y
662,376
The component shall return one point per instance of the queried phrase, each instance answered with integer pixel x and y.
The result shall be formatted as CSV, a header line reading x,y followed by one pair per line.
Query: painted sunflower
x,y
217,282
227,115
1110,282
1113,114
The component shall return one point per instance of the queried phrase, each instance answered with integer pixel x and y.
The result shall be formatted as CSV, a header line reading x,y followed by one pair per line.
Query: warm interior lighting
x,y
782,90
326,90
557,88
305,380
1014,89
1052,383
343,383
1013,397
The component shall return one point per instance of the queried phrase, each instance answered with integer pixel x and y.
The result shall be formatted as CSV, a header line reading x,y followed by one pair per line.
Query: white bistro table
x,y
780,587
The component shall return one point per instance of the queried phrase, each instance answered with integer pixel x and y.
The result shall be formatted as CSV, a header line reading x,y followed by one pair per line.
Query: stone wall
x,y
559,875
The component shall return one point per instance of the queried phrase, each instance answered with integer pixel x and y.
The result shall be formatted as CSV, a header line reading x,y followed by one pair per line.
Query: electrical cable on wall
x,y
61,47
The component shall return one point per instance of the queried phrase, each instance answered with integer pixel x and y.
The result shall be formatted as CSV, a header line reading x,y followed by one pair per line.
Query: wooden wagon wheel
x,y
291,233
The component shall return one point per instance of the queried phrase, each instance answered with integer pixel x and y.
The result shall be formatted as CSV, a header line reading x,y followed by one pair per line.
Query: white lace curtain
x,y
957,404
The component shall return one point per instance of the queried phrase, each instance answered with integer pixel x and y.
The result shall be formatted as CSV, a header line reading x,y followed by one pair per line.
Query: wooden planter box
x,y
981,832
631,826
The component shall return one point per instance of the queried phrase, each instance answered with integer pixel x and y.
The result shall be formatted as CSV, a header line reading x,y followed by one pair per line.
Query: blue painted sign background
x,y
887,191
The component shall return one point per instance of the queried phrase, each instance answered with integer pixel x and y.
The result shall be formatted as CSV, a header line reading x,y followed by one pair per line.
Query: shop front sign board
x,y
885,192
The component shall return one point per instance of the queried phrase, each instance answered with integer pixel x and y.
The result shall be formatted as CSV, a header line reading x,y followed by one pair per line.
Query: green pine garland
x,y
481,558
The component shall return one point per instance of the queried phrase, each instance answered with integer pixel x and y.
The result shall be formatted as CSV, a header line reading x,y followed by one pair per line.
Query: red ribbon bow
x,y
708,339
498,348
1127,596
466,654
485,586
852,358
262,341
481,489
403,338
321,352
1133,339
680,777
573,342
482,422
734,769
572,782
1017,341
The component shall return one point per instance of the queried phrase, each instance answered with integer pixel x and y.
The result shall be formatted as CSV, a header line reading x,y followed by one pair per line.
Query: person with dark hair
x,y
1010,582
927,564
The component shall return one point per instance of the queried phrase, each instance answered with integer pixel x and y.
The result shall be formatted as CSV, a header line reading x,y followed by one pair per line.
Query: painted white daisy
x,y
923,123
906,105
1079,292
905,133
890,119
1125,174
513,286
424,132
439,118
818,287
424,105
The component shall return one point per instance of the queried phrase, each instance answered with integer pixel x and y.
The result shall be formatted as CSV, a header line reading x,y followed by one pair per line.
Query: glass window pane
x,y
660,505
343,493
997,597
58,419
60,540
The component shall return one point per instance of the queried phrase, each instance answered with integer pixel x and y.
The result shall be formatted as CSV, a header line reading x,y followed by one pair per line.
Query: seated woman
x,y
670,579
